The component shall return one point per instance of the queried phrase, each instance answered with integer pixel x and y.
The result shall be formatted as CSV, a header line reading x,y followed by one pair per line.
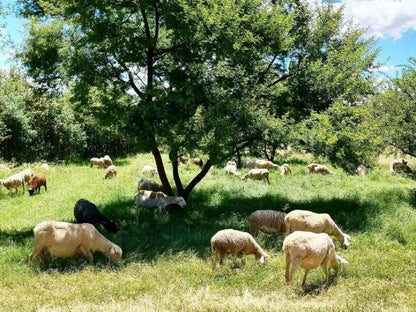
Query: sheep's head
x,y
264,259
31,191
180,201
114,253
338,262
346,240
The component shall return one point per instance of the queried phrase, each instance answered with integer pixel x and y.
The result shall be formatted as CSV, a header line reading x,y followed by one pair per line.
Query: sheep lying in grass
x,y
230,242
149,185
87,212
285,169
267,221
157,200
14,182
97,162
36,182
361,170
110,172
400,166
317,168
149,170
257,174
309,250
63,239
303,220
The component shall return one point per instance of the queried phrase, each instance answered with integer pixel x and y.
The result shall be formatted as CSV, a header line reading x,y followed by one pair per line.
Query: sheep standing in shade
x,y
87,212
157,200
149,170
149,185
257,174
36,182
267,221
304,220
63,239
110,172
317,168
230,242
285,169
309,250
14,182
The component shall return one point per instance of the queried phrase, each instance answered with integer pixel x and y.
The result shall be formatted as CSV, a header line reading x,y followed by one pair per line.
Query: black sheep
x,y
87,212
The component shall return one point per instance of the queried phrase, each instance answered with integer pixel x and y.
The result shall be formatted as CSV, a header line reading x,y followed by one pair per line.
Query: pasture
x,y
166,263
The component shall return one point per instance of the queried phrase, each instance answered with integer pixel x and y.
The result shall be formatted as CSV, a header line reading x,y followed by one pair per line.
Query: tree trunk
x,y
167,189
185,193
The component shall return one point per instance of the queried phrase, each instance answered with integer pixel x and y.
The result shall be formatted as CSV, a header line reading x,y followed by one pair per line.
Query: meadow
x,y
166,263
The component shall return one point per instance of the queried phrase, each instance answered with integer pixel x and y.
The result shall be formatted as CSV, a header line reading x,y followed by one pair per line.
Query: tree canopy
x,y
202,77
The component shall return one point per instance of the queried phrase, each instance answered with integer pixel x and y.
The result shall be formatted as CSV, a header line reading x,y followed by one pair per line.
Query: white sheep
x,y
149,185
45,167
248,163
230,242
267,221
304,220
97,162
257,174
149,170
400,166
26,174
317,168
63,239
309,250
110,172
107,161
265,164
231,170
157,200
232,162
361,170
14,182
285,169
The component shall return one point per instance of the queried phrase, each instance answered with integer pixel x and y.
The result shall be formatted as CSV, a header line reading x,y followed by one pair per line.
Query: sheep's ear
x,y
342,260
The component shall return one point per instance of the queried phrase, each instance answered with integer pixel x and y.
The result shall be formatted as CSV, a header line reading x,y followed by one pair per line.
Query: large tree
x,y
203,75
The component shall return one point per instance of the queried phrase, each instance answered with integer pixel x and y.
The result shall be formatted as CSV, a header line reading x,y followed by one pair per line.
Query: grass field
x,y
166,259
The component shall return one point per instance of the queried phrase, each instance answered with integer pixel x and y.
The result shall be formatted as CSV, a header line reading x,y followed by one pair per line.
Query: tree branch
x,y
402,149
261,78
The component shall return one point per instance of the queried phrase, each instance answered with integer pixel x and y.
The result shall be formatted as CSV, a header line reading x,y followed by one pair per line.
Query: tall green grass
x,y
166,258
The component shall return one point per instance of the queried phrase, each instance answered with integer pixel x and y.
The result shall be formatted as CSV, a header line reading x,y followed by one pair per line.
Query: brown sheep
x,y
36,182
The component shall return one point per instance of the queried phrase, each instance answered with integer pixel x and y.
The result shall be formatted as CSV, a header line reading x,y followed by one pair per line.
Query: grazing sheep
x,y
309,250
149,170
249,163
36,182
45,167
189,160
110,172
14,182
87,212
107,161
26,174
304,220
231,170
285,169
229,242
257,174
400,166
317,168
361,170
63,239
267,221
232,162
157,200
149,185
97,162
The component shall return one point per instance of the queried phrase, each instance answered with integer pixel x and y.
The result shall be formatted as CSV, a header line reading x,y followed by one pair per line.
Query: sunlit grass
x,y
166,259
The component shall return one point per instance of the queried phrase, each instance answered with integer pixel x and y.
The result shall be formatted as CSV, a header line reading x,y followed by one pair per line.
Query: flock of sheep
x,y
307,243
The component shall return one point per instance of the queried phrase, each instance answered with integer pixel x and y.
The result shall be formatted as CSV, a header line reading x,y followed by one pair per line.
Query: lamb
x,y
63,239
157,200
285,169
36,182
361,170
149,170
27,174
229,242
303,220
87,212
400,166
317,168
110,172
107,161
231,170
267,221
309,250
149,185
14,182
97,162
257,174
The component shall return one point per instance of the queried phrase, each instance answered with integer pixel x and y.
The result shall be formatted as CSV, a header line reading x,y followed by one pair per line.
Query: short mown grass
x,y
166,259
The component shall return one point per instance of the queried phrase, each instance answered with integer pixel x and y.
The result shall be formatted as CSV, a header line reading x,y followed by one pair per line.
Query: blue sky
x,y
391,22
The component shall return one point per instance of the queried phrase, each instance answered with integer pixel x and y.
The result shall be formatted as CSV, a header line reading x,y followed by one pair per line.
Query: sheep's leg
x,y
86,253
326,270
214,261
45,187
304,278
287,258
267,178
295,265
43,256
